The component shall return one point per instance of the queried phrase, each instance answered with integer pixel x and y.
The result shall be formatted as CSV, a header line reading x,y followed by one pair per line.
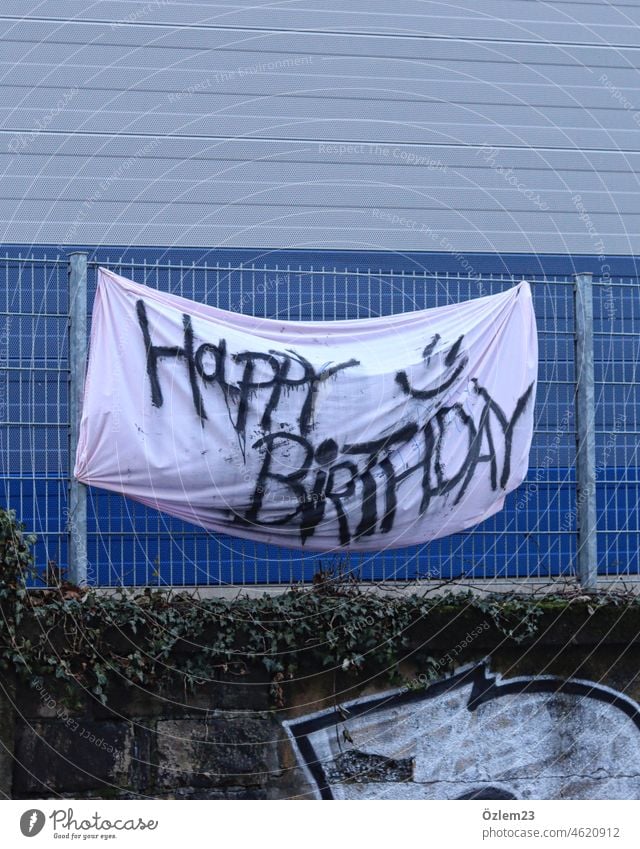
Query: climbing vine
x,y
92,639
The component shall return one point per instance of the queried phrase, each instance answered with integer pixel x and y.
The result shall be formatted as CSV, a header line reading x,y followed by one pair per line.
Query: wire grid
x,y
128,544
617,397
34,395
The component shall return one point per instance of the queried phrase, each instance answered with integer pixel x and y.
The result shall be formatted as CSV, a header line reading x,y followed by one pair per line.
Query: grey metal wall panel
x,y
508,125
573,22
167,177
470,236
420,201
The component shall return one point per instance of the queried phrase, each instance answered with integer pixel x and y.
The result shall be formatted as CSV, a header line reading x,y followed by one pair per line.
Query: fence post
x,y
77,516
585,433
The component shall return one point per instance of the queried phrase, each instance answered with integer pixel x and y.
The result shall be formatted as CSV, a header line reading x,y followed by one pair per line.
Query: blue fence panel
x,y
128,544
617,395
34,386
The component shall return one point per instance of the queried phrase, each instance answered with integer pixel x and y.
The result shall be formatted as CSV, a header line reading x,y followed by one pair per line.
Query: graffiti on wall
x,y
476,735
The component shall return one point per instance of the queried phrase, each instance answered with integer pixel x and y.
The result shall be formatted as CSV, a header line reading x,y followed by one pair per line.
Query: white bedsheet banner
x,y
343,435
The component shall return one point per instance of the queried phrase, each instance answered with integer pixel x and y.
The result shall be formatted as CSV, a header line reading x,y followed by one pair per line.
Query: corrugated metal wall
x,y
507,125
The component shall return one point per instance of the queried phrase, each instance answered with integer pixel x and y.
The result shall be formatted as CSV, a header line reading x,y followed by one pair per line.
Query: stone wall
x,y
557,717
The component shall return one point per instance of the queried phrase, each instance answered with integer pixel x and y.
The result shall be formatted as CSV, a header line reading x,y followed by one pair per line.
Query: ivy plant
x,y
91,639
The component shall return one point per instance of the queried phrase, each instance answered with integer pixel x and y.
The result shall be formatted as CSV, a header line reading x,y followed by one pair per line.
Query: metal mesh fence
x,y
533,537
34,391
617,407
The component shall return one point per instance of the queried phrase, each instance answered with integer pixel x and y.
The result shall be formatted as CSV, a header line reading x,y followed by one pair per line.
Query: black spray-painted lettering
x,y
210,362
317,484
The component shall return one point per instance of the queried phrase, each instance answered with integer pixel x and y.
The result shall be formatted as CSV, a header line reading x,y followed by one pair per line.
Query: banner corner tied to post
x,y
352,435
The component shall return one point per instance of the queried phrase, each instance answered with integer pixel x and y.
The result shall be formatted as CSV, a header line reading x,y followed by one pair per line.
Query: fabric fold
x,y
356,435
